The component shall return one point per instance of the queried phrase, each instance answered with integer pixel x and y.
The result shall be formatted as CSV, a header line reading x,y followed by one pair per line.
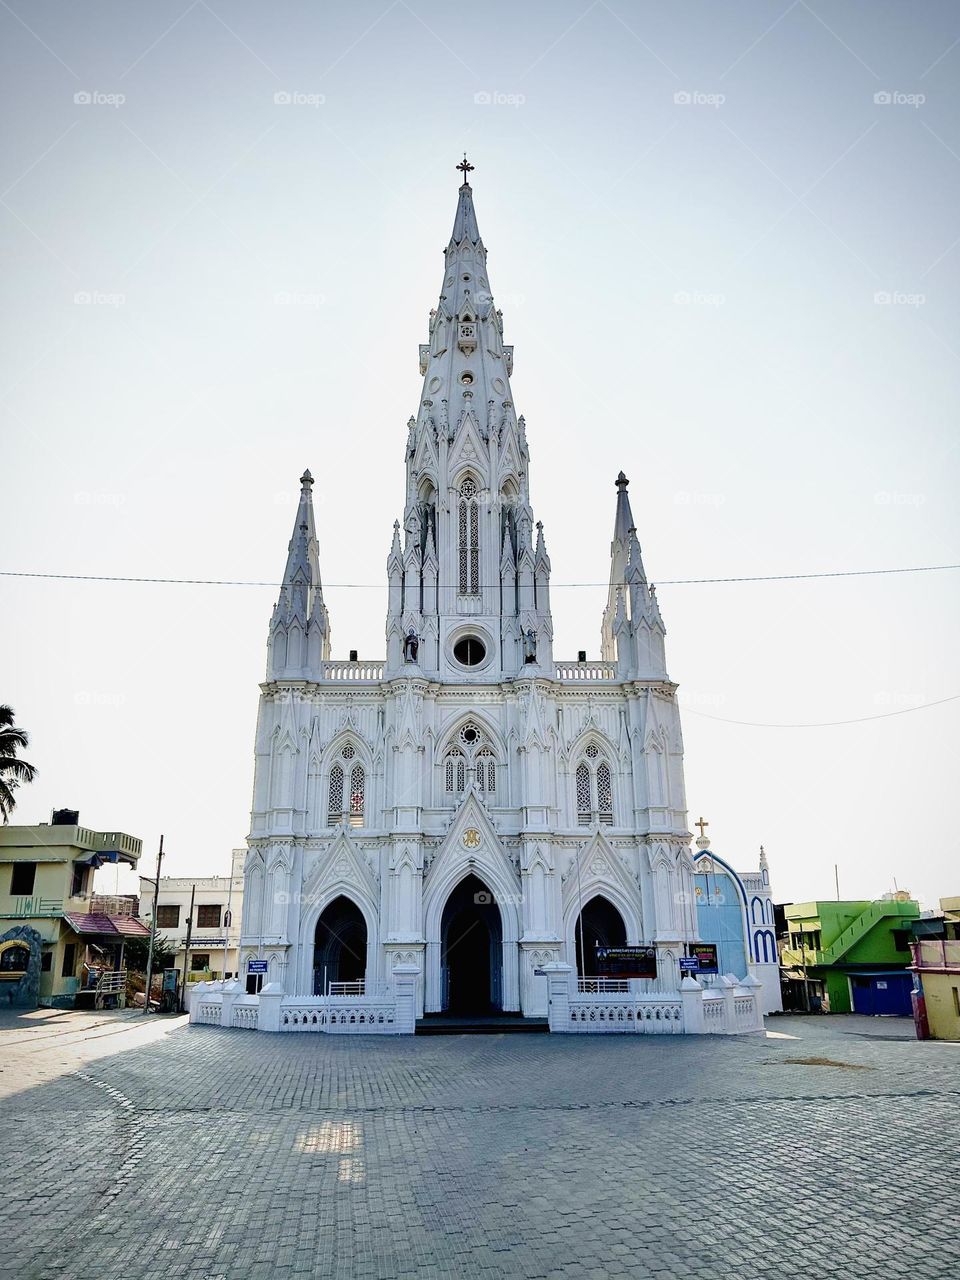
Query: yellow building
x,y
936,963
46,883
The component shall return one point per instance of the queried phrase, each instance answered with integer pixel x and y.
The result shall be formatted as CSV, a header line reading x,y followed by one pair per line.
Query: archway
x,y
602,927
471,950
339,945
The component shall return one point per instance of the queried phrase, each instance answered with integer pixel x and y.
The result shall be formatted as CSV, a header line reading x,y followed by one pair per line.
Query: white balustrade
x,y
362,670
586,670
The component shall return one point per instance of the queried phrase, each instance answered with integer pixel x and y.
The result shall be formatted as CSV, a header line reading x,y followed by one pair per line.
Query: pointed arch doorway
x,y
471,951
603,926
339,945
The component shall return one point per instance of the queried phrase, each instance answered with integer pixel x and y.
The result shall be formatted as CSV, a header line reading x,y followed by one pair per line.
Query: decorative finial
x,y
306,479
703,840
465,167
622,481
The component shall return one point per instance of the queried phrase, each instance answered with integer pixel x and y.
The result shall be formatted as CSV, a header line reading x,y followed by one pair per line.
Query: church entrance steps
x,y
444,1024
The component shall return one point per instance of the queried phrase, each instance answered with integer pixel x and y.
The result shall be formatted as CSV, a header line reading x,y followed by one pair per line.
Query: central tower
x,y
469,573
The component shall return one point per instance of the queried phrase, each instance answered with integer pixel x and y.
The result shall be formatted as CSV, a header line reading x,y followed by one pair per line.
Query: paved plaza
x,y
146,1149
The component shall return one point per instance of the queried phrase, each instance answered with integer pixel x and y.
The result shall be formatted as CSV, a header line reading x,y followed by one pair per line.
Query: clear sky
x,y
726,266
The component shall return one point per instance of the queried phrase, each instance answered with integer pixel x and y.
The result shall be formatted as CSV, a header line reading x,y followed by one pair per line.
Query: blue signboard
x,y
689,964
256,966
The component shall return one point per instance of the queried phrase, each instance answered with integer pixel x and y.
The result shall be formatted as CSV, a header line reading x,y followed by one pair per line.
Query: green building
x,y
849,957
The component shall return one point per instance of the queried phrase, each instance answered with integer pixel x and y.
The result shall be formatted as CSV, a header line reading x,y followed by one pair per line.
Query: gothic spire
x,y
300,627
620,548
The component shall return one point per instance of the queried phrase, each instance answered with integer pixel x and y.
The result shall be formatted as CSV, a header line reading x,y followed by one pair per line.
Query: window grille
x,y
335,807
486,771
604,795
348,752
454,772
469,528
592,751
583,795
356,795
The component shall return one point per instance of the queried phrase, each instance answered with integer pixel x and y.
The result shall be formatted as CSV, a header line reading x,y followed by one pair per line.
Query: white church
x,y
469,809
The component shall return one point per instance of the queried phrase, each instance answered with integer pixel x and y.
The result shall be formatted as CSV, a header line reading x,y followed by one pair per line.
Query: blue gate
x,y
876,993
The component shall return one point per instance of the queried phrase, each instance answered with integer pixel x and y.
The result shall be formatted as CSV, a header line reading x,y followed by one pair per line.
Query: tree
x,y
13,770
135,954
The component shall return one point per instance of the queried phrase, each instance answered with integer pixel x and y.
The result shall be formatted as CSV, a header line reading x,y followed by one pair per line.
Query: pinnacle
x,y
306,480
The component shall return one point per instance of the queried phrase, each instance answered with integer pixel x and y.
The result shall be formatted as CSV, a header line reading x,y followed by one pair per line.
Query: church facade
x,y
469,805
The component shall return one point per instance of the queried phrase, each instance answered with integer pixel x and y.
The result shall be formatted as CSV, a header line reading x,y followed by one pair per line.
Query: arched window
x,y
486,771
604,795
469,531
335,807
594,789
357,781
583,795
456,774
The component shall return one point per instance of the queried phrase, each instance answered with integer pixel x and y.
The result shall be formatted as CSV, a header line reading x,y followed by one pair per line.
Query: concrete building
x,y
218,903
849,957
935,952
46,883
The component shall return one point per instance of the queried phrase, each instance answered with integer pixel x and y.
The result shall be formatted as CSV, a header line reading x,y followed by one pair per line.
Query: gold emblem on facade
x,y
471,838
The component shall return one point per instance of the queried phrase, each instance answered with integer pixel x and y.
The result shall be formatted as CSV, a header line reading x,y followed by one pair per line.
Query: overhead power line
x,y
376,586
820,724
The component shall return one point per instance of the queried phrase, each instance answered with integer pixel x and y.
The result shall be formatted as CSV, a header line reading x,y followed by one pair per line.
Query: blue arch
x,y
769,946
707,853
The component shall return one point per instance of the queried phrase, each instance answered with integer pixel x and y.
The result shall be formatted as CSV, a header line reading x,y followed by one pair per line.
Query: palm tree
x,y
12,770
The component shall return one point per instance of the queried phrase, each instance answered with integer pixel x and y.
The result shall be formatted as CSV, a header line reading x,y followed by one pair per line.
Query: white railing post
x,y
558,995
752,986
270,998
728,989
691,997
232,990
405,992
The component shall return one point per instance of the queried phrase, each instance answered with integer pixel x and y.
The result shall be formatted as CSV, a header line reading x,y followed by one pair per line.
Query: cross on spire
x,y
465,167
701,824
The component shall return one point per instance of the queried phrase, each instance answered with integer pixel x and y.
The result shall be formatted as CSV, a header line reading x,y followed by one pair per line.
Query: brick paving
x,y
146,1149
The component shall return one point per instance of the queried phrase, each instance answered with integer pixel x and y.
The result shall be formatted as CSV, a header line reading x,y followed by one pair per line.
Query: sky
x,y
725,242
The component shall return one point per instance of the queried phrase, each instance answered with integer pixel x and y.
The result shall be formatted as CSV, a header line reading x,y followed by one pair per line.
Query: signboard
x,y
257,966
627,962
689,964
705,953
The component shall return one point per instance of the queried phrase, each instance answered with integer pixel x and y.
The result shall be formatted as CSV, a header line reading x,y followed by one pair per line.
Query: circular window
x,y
465,277
470,735
469,651
467,378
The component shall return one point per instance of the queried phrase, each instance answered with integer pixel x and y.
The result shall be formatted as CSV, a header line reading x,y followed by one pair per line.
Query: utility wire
x,y
376,586
822,724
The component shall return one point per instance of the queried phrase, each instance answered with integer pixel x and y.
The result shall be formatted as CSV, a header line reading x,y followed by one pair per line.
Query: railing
x,y
111,982
603,985
360,1016
246,1016
357,988
207,1011
362,670
586,670
104,904
641,1015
